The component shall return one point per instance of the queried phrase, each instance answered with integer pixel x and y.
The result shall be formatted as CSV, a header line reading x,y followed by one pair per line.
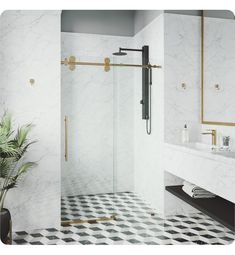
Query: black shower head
x,y
120,53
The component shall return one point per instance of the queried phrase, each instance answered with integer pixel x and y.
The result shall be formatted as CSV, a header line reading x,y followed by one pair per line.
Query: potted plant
x,y
13,146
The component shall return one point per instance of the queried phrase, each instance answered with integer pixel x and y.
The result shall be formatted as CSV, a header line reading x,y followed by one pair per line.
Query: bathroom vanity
x,y
209,169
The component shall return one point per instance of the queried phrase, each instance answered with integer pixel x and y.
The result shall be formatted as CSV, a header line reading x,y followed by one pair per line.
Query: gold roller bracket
x,y
107,64
71,62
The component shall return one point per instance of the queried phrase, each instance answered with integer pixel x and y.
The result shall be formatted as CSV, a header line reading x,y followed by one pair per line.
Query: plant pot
x,y
5,218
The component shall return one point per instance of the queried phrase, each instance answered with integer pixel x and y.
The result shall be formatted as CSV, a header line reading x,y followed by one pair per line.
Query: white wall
x,y
99,107
149,178
182,38
174,42
182,65
103,22
30,48
182,106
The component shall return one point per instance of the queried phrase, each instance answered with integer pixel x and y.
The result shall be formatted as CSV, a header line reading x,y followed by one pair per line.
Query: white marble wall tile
x,y
182,65
181,106
30,48
149,178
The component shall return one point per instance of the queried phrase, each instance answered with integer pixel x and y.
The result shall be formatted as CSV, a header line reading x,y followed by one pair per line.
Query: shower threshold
x,y
83,209
90,221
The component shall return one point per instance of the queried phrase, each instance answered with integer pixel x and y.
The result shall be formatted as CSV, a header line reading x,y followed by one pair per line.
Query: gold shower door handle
x,y
66,138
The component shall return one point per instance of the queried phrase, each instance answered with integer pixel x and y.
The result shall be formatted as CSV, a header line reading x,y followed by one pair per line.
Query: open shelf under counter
x,y
217,208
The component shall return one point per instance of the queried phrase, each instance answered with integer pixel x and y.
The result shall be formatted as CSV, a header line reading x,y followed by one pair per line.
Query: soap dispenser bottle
x,y
185,134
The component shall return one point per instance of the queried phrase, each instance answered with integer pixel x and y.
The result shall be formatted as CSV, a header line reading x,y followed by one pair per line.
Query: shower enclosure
x,y
97,127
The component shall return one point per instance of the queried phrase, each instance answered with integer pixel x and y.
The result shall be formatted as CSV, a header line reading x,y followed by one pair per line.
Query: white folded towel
x,y
198,195
195,191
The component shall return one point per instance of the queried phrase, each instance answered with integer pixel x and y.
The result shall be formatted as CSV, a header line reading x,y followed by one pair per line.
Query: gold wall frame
x,y
203,121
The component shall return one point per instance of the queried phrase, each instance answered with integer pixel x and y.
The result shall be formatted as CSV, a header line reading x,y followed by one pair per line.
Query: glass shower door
x,y
87,141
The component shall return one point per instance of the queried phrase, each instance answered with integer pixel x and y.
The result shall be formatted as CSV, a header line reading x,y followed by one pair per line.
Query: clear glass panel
x,y
130,203
87,175
101,107
123,124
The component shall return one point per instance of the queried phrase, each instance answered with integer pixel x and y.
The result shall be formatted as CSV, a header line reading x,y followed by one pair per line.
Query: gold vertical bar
x,y
66,138
202,67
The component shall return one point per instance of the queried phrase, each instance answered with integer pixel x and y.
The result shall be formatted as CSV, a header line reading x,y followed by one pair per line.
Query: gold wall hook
x,y
31,81
183,85
217,87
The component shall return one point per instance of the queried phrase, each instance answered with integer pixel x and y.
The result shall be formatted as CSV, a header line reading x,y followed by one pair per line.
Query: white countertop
x,y
203,152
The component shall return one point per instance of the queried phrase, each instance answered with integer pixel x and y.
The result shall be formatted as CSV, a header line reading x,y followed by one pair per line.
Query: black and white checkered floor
x,y
135,223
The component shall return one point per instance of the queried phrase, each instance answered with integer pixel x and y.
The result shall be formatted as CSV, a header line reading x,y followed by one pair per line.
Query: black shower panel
x,y
145,83
145,101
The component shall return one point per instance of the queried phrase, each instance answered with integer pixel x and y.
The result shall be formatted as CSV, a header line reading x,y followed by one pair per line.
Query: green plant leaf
x,y
12,149
12,183
5,124
6,166
23,149
22,134
25,167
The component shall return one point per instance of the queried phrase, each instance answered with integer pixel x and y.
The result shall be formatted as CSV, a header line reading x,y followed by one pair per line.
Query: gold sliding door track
x,y
90,221
71,62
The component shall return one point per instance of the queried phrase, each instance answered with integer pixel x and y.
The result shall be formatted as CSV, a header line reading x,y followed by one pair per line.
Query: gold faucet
x,y
213,134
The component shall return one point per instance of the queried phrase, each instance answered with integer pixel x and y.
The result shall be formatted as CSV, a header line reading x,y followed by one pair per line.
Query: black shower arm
x,y
126,49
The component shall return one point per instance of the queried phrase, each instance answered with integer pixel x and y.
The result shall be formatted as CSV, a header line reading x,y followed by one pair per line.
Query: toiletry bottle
x,y
185,134
226,143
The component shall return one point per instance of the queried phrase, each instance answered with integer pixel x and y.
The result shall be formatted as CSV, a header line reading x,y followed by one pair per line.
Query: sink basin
x,y
209,148
197,163
199,146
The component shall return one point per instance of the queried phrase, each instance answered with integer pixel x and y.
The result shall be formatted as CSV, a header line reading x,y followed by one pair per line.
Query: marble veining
x,y
181,65
30,48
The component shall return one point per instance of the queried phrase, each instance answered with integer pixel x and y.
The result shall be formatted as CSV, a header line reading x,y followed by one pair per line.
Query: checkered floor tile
x,y
103,205
135,223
